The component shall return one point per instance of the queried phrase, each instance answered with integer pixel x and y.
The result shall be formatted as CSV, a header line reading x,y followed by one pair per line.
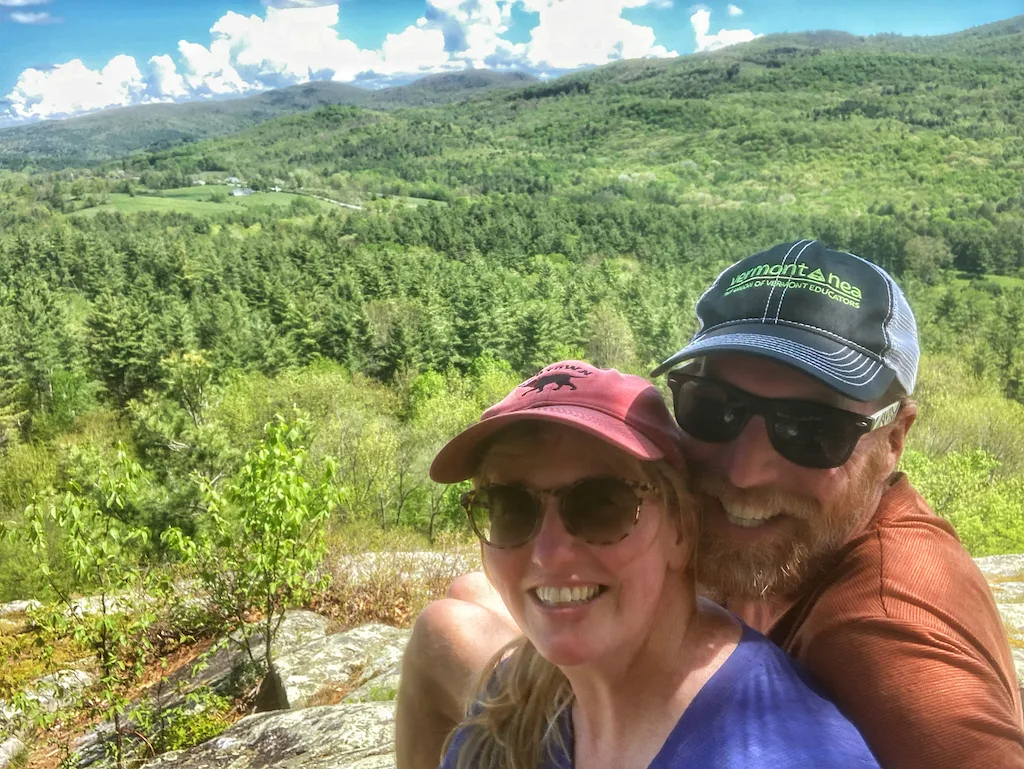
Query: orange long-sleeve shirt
x,y
903,631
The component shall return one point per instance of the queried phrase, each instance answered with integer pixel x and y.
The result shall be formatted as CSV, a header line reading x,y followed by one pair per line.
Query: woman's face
x,y
620,589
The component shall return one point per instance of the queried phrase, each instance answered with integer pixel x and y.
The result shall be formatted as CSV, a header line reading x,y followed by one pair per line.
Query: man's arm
x,y
922,699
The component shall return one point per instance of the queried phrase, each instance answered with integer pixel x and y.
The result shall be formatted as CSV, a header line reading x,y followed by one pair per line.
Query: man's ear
x,y
898,432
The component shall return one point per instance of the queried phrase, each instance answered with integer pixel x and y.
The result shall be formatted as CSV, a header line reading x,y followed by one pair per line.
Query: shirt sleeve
x,y
921,699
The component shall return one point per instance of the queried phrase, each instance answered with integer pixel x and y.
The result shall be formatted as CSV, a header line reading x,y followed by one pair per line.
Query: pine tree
x,y
12,411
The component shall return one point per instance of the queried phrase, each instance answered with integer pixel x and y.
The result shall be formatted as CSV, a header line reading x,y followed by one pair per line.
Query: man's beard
x,y
777,565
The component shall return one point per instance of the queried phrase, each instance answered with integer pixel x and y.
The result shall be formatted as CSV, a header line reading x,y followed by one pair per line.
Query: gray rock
x,y
1008,592
9,749
368,652
18,607
382,688
407,565
359,736
1013,616
298,628
219,673
1002,565
53,692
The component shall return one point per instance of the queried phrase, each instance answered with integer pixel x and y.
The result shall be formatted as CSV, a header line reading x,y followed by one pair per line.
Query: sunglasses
x,y
805,433
600,511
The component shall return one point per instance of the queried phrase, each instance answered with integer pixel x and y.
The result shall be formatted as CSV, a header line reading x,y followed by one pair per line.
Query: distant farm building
x,y
233,180
240,192
198,183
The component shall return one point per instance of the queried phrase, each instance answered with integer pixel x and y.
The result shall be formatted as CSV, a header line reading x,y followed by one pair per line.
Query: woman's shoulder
x,y
762,708
762,673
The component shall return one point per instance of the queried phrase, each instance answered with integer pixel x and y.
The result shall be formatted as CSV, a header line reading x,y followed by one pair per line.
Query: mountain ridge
x,y
122,131
152,128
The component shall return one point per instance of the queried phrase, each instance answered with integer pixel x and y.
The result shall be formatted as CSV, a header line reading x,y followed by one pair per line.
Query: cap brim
x,y
459,458
843,368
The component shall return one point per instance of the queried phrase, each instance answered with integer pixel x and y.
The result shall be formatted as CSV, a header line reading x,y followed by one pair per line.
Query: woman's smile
x,y
557,597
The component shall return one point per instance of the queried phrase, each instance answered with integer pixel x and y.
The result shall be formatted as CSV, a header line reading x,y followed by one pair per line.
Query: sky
x,y
60,58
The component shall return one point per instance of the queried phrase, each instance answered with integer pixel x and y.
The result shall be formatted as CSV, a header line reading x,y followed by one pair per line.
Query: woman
x,y
587,532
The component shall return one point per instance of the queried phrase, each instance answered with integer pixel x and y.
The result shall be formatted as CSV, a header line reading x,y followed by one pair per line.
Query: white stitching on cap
x,y
756,340
764,318
840,354
829,334
778,310
850,367
796,351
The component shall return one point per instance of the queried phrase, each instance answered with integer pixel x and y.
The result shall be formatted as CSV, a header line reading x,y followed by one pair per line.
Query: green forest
x,y
233,335
153,331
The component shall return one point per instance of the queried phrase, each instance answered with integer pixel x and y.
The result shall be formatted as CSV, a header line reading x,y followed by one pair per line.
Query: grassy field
x,y
198,200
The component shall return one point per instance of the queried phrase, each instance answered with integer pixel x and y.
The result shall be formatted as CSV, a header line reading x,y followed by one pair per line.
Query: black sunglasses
x,y
600,511
804,432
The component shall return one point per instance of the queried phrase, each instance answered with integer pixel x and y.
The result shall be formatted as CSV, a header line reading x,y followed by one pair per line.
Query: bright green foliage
x,y
963,487
178,437
102,548
960,411
926,258
580,217
261,540
200,717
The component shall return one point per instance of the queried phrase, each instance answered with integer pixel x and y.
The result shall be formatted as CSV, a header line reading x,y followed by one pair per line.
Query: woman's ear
x,y
483,562
684,544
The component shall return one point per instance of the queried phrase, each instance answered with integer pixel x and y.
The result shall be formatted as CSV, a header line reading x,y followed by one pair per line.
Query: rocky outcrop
x,y
358,670
18,607
409,566
357,736
363,654
49,693
219,672
9,750
299,627
1006,578
995,566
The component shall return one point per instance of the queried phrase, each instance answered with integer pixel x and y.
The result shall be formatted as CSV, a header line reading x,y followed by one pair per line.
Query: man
x,y
796,407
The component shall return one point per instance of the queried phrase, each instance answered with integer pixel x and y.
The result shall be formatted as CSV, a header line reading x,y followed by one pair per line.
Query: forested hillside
x,y
901,144
577,217
113,133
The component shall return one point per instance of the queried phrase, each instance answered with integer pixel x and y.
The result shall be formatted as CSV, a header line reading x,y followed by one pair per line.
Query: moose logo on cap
x,y
552,376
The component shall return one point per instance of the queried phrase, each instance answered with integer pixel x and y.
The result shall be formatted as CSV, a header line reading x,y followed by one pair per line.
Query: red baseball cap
x,y
621,409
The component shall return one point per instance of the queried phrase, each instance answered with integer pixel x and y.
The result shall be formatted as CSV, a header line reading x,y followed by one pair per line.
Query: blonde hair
x,y
520,696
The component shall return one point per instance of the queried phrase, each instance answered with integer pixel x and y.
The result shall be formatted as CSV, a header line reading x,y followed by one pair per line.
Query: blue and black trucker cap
x,y
832,315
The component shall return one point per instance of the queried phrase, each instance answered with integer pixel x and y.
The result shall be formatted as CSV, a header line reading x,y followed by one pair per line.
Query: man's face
x,y
766,521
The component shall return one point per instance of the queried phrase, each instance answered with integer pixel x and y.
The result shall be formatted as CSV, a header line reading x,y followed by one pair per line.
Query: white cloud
x,y
24,17
296,41
71,88
575,33
734,10
21,3
163,80
415,49
701,21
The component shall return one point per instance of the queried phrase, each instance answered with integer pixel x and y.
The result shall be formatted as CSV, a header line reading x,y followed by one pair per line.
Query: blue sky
x,y
67,57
